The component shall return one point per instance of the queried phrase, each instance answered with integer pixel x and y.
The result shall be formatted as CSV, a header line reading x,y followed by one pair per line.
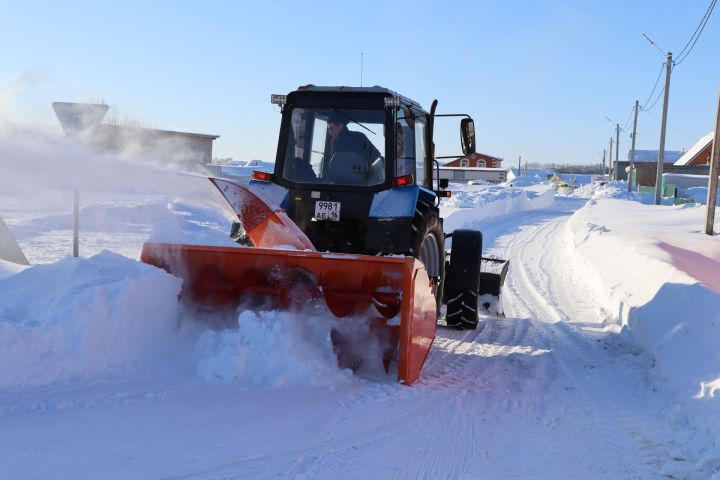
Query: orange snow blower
x,y
393,294
356,178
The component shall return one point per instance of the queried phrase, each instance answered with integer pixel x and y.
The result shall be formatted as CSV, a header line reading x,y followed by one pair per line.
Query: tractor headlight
x,y
278,99
392,102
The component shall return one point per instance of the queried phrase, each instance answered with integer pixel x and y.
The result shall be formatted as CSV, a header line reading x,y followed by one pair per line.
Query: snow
x,y
607,364
80,318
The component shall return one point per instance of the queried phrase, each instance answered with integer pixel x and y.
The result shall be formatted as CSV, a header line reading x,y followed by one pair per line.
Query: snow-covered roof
x,y
688,157
651,156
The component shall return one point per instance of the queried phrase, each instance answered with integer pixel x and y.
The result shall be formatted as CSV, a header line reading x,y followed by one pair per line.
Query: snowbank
x,y
470,205
79,318
660,285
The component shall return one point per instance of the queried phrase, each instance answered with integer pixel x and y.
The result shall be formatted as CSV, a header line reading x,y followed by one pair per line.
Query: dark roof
x,y
343,89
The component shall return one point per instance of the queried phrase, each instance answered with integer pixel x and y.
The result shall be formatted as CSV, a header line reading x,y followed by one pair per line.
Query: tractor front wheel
x,y
429,248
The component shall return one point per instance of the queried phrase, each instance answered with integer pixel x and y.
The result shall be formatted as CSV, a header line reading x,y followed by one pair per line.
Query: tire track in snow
x,y
433,413
616,397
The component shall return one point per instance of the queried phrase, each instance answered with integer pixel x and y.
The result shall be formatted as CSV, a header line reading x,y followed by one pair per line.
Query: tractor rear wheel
x,y
462,310
463,280
429,247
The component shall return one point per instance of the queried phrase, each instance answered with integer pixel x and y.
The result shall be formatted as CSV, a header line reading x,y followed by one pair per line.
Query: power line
x,y
675,129
628,119
662,90
696,34
674,147
662,66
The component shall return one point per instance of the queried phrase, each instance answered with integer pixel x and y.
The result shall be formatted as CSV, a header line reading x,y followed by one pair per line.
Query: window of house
x,y
464,163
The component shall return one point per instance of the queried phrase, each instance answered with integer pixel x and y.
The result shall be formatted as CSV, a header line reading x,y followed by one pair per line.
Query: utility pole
x,y
714,171
604,152
617,150
661,152
610,160
519,164
632,149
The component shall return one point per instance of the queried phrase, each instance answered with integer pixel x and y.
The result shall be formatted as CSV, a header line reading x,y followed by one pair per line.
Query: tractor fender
x,y
400,202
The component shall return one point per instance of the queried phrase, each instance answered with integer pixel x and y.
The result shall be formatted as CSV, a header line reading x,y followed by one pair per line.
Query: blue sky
x,y
539,77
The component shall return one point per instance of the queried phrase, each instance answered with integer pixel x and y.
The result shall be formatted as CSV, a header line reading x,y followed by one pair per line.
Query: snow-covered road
x,y
606,366
550,391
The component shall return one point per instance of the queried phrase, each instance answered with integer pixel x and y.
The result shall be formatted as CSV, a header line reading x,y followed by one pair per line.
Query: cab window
x,y
335,146
404,143
420,151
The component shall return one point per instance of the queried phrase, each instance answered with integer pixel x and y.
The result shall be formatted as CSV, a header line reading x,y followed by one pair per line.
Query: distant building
x,y
476,160
699,154
645,163
177,147
83,122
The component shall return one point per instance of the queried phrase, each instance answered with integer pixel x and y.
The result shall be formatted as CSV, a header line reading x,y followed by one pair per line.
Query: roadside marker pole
x,y
76,223
617,151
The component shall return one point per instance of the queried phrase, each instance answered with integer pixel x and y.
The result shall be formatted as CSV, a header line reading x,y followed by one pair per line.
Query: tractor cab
x,y
340,138
356,163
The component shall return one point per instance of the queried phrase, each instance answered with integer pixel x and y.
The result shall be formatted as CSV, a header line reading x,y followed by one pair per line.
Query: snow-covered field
x,y
607,364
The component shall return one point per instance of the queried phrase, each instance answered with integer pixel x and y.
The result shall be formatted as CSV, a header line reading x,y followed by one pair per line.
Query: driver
x,y
343,140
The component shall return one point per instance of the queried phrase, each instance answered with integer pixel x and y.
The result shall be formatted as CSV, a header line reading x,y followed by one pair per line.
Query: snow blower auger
x,y
354,179
393,293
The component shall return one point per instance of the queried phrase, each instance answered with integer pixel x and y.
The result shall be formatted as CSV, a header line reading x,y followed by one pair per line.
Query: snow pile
x,y
79,318
533,176
697,194
576,178
8,269
670,306
110,315
271,348
617,190
470,205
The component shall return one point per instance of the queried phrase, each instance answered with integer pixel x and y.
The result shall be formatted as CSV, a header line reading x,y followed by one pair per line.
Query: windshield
x,y
336,146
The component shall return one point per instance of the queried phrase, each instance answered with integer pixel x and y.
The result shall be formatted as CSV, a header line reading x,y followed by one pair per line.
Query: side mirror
x,y
444,182
467,134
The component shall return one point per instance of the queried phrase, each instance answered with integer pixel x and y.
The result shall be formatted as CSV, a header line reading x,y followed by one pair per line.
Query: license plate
x,y
327,211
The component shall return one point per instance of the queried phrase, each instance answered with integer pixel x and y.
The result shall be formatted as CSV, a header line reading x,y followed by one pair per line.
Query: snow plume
x,y
25,81
39,172
81,318
38,162
271,348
